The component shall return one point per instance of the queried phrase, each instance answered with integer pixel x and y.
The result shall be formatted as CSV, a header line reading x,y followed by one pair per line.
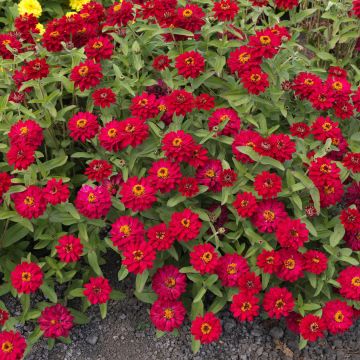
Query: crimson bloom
x,y
315,262
180,102
349,280
291,265
338,316
164,175
185,225
55,192
278,302
225,10
352,162
56,321
245,204
169,283
104,97
188,186
267,185
30,203
26,133
350,218
230,268
255,81
177,145
144,106
12,345
204,258
206,328
229,117
138,194
190,64
210,175
300,129
69,248
26,277
97,290
160,237
245,306
268,261
99,48
126,230
292,233
86,75
161,62
98,170
83,126
167,315
250,283
312,327
139,256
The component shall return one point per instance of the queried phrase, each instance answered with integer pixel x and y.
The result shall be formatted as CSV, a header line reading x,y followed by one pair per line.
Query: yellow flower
x,y
41,28
78,4
30,7
70,13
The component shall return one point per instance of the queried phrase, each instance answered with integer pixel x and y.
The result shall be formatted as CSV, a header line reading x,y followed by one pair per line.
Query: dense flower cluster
x,y
215,162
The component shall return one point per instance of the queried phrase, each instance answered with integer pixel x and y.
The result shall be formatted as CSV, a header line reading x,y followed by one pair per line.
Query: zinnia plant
x,y
214,146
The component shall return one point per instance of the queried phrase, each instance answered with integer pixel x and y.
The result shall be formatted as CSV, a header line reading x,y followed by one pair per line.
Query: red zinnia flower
x,y
111,137
188,186
349,280
228,177
198,156
167,315
230,268
164,175
83,126
250,283
352,240
30,203
190,17
12,344
255,81
113,184
268,215
98,170
180,102
26,133
266,43
338,316
161,62
144,106
245,204
97,290
185,225
86,75
312,327
305,83
322,98
315,262
178,145
225,10
286,4
104,97
282,146
120,13
267,185
243,59
69,248
291,265
36,69
350,218
205,102
352,162
56,321
138,257
138,194
292,322
4,316
26,277
278,302
322,170
210,175
169,283
220,116
8,40
300,129
99,48
292,233
126,230
160,237
206,328
93,202
245,306
55,192
5,183
204,258
190,64
268,261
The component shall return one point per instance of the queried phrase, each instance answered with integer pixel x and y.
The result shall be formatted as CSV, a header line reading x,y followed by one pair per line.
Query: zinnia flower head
x,y
69,248
97,290
138,257
338,316
185,225
292,233
278,302
230,268
312,327
190,64
55,192
104,97
315,262
349,280
206,328
245,306
167,315
86,75
26,277
98,170
12,345
83,126
204,258
32,7
30,203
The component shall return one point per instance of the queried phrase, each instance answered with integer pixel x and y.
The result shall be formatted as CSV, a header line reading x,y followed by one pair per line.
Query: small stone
x,y
277,332
92,339
230,325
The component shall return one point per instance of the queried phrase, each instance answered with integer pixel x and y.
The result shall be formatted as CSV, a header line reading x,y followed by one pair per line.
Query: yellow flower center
x,y
337,85
138,190
269,215
210,173
138,255
25,276
326,126
162,107
125,229
279,304
189,61
355,281
329,189
7,347
326,169
53,322
91,197
170,282
206,328
289,264
231,269
309,82
187,13
255,77
83,71
185,223
143,102
163,173
265,40
117,7
29,201
177,142
130,128
168,313
314,327
246,306
24,130
98,45
81,123
244,57
112,133
206,257
339,317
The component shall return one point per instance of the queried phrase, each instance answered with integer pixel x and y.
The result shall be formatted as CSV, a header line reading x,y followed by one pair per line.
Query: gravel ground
x,y
126,334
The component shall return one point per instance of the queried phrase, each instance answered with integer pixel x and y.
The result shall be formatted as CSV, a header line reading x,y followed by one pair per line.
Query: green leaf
x,y
93,262
199,295
195,345
337,235
103,310
141,281
302,343
49,293
146,297
79,317
123,273
14,234
78,292
55,163
117,295
218,304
